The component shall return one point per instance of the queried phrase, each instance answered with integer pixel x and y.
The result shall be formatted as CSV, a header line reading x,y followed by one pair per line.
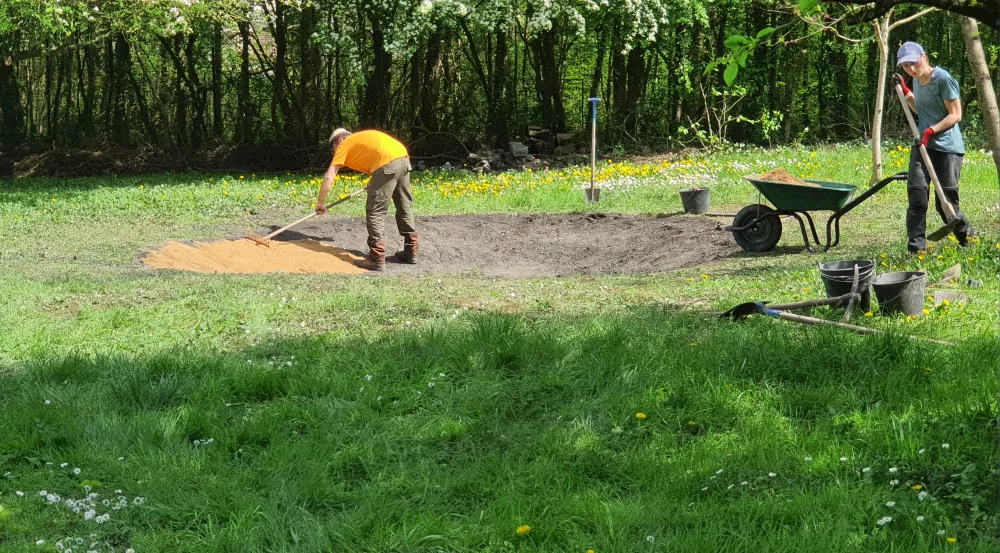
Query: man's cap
x,y
909,52
337,133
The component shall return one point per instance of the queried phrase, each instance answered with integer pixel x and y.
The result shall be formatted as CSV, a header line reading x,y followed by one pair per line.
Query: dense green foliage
x,y
191,74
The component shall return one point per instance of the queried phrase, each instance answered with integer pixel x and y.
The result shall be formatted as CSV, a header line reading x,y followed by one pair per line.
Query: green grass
x,y
442,413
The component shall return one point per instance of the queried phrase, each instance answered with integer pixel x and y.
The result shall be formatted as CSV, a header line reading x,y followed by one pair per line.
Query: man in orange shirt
x,y
387,161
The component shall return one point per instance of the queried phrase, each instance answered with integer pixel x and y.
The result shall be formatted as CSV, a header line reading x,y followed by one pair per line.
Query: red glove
x,y
927,136
906,90
902,84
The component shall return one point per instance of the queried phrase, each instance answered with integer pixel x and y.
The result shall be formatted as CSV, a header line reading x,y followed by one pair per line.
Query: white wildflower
x,y
893,470
771,475
809,459
945,446
940,532
843,459
921,452
883,521
19,493
650,539
890,504
920,518
922,496
866,470
76,471
718,472
63,465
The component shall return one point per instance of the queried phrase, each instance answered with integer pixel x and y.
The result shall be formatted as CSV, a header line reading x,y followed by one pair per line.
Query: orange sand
x,y
783,176
244,256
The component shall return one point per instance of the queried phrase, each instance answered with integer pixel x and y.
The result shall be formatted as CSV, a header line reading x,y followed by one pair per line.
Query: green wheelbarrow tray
x,y
828,196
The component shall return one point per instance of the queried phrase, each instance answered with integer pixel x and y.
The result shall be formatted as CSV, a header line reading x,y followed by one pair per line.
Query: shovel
x,y
266,240
746,309
951,221
593,193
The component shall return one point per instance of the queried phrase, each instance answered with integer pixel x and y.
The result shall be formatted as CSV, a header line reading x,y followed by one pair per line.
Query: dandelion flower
x,y
523,529
640,416
917,486
952,540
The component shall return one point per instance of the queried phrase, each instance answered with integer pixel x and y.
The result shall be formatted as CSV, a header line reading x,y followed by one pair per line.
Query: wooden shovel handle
x,y
949,210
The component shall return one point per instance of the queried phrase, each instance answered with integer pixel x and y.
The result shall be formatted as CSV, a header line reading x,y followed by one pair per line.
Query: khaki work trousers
x,y
391,181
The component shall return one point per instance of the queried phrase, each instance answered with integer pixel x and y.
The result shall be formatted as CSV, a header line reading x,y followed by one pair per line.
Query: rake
x,y
266,240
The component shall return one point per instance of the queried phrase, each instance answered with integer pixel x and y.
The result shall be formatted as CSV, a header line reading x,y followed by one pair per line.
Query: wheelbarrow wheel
x,y
761,237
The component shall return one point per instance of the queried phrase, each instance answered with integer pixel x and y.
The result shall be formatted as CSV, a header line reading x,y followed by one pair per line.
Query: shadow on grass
x,y
453,434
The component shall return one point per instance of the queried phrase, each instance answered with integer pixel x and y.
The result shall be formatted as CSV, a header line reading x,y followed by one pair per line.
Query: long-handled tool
x,y
951,220
266,240
745,309
593,193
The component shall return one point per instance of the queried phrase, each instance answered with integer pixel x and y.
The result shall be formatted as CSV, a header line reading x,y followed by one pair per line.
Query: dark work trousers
x,y
948,167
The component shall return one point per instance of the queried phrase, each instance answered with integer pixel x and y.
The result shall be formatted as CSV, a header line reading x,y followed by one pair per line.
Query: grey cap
x,y
909,52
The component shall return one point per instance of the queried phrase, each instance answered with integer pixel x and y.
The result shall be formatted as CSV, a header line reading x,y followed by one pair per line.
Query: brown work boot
x,y
375,260
410,246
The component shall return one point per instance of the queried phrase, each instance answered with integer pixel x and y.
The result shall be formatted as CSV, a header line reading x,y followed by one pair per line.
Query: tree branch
x,y
911,18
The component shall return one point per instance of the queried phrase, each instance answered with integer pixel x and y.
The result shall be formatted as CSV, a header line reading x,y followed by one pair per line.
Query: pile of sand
x,y
783,176
244,256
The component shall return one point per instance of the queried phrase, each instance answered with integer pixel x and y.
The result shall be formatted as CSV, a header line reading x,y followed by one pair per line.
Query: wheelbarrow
x,y
757,227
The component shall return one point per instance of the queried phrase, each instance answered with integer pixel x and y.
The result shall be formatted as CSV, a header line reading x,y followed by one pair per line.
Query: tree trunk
x,y
199,94
123,64
498,112
374,110
11,114
547,79
90,92
217,126
309,72
244,116
882,40
984,86
429,83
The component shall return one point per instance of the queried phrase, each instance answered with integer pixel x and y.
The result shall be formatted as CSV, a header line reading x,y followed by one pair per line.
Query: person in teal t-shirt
x,y
936,99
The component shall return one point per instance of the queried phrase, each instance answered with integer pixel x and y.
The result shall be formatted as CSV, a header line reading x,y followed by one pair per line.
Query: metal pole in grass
x,y
594,194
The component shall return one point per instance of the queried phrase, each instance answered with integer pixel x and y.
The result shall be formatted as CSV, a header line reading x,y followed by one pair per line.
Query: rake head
x,y
260,239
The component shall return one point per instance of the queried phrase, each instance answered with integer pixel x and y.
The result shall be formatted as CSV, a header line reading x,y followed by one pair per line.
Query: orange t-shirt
x,y
367,151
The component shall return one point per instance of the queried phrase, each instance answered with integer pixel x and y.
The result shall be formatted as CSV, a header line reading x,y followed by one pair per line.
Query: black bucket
x,y
901,292
838,278
695,201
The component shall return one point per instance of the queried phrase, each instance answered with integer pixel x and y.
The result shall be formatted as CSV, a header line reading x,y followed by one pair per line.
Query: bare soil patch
x,y
524,246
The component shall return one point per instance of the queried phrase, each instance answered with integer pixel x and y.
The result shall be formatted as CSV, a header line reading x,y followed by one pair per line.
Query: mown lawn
x,y
324,413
